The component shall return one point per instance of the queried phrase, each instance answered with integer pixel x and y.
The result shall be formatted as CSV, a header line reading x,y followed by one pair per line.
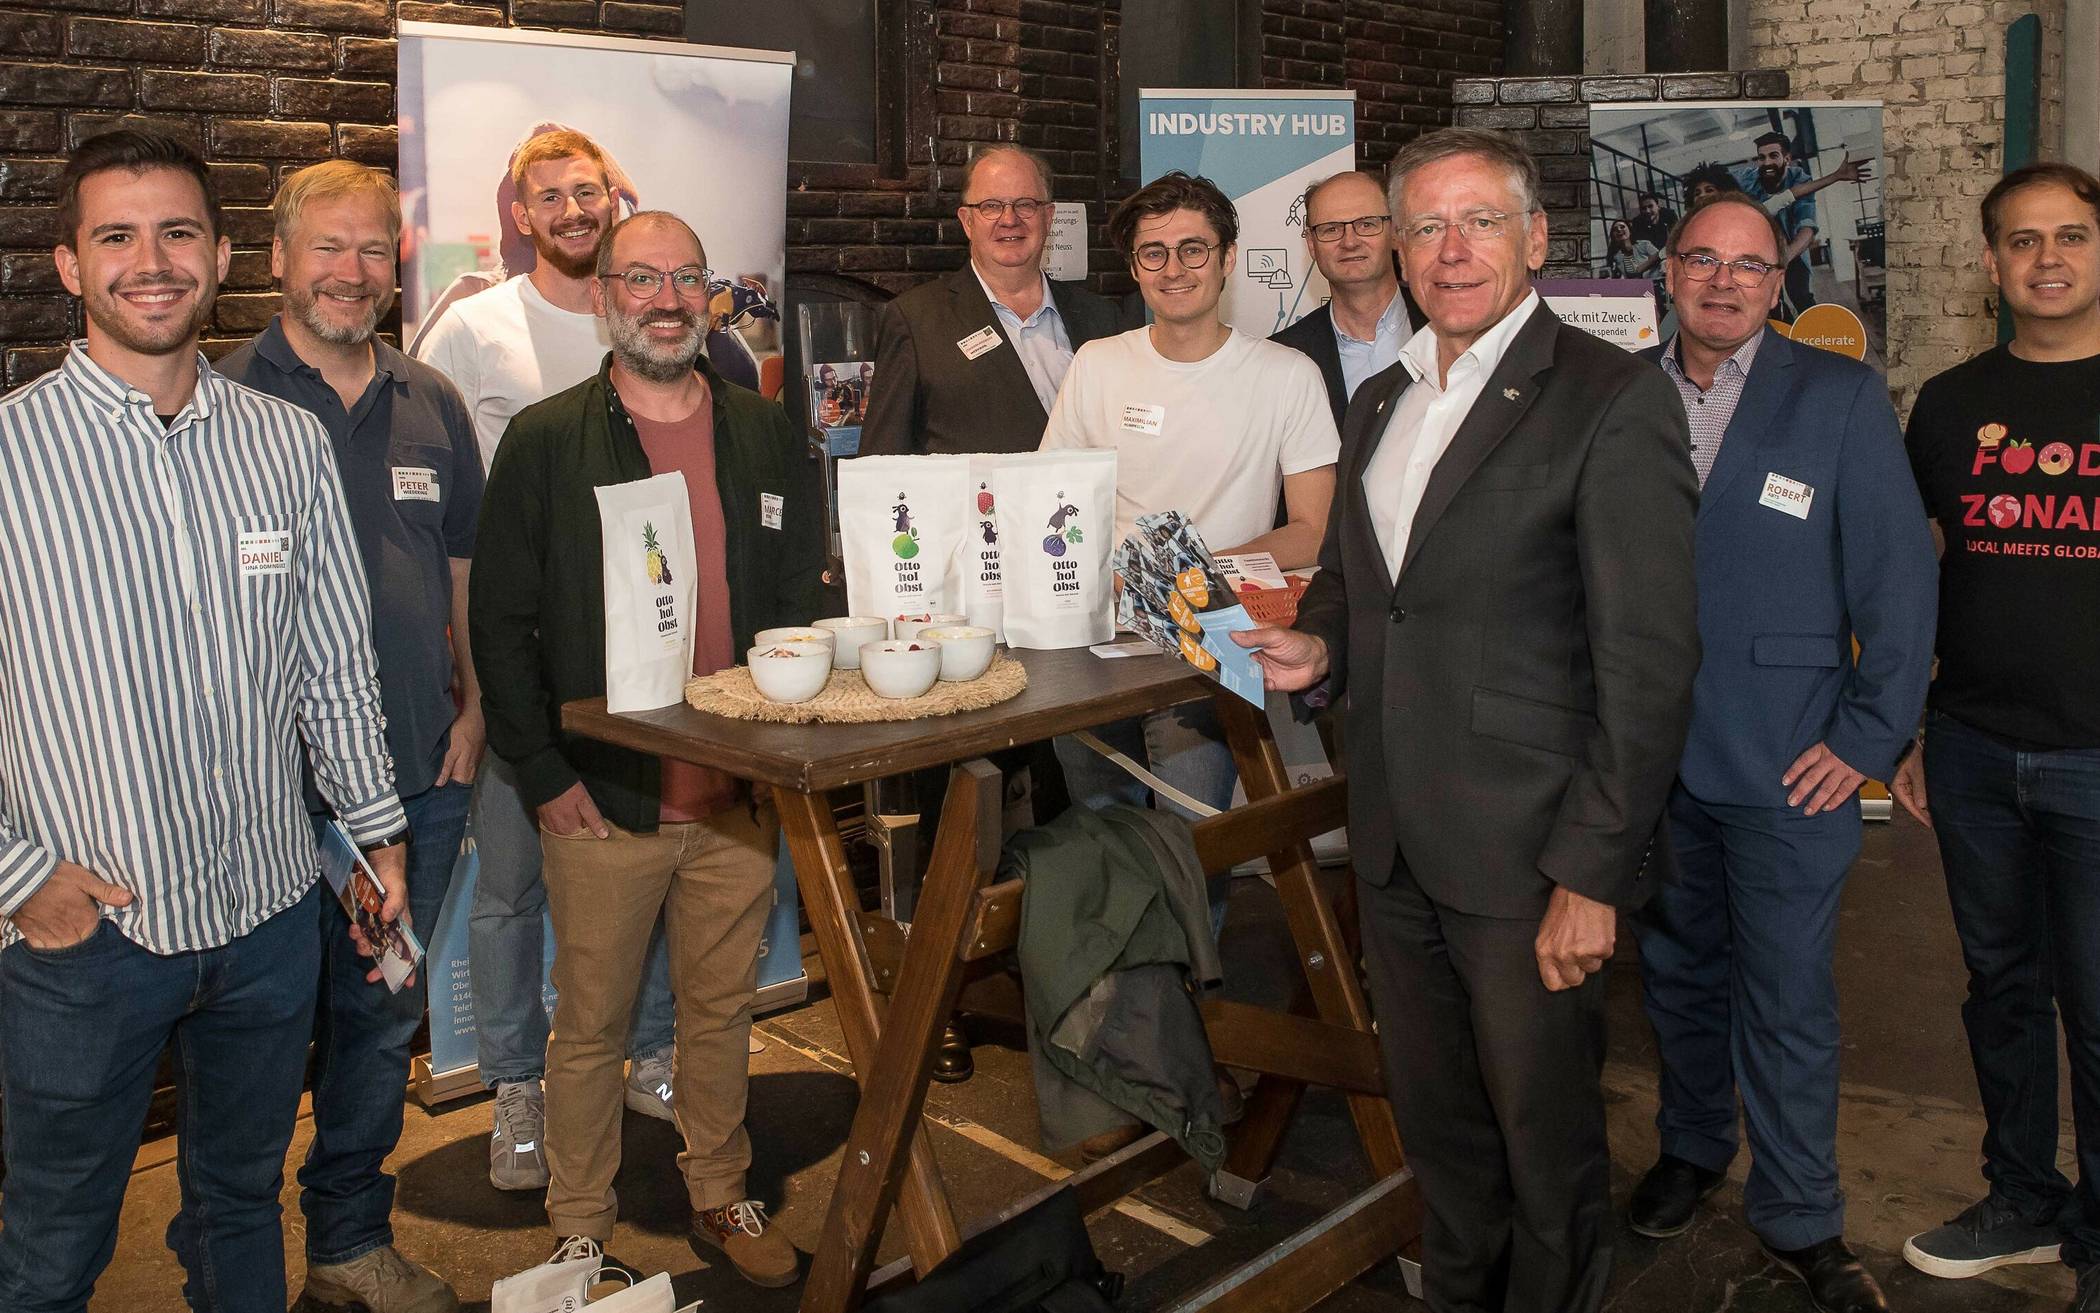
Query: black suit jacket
x,y
1314,335
931,398
1517,701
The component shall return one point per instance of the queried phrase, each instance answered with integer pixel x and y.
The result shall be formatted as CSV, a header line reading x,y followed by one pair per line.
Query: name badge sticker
x,y
979,342
415,483
1785,494
265,551
1149,420
769,507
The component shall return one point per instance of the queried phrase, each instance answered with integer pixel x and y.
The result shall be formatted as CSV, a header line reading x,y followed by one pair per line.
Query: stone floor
x,y
1908,1133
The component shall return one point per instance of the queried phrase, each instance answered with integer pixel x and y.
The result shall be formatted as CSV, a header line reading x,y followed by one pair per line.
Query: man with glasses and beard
x,y
404,449
523,340
1775,175
629,837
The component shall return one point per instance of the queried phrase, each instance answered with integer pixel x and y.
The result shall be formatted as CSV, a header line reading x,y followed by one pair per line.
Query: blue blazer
x,y
1781,598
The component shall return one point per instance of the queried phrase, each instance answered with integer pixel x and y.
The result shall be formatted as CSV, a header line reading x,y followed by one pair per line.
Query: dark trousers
x,y
2019,839
1494,1082
362,1035
81,1032
1736,974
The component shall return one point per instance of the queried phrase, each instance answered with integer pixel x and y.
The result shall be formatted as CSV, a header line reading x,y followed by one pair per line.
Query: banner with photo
x,y
1263,149
700,131
1815,166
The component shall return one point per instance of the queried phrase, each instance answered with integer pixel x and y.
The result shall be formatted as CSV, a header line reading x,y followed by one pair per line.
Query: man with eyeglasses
x,y
1369,312
971,362
630,837
1504,608
520,341
1811,540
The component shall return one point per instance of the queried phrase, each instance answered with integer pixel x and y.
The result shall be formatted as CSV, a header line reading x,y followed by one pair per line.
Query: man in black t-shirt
x,y
2006,449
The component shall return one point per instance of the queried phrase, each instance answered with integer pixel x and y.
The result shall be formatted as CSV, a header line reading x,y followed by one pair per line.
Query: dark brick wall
x,y
1551,116
266,86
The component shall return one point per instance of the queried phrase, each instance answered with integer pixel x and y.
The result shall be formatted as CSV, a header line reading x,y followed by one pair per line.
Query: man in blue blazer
x,y
1811,535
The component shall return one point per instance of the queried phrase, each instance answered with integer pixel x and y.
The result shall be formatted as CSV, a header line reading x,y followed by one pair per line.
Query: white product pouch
x,y
1057,517
901,526
650,597
982,599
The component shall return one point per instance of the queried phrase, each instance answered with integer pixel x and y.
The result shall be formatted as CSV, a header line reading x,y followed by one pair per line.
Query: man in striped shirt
x,y
183,619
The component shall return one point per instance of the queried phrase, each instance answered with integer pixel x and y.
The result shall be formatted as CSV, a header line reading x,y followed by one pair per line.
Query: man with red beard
x,y
523,340
631,838
185,627
412,480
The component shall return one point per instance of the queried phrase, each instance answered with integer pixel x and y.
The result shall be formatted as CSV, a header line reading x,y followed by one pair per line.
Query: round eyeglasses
x,y
689,281
1192,254
1024,209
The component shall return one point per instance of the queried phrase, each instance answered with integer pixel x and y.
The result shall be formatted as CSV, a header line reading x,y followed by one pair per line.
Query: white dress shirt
x,y
1423,424
1040,340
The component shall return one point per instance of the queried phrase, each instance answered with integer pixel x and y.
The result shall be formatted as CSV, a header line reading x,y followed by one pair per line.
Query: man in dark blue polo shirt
x,y
404,446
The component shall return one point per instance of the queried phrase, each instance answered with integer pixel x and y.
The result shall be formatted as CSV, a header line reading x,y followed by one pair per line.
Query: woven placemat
x,y
847,699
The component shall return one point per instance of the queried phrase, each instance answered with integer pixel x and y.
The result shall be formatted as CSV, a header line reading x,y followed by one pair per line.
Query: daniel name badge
x,y
1144,419
979,342
769,504
266,551
1785,494
415,483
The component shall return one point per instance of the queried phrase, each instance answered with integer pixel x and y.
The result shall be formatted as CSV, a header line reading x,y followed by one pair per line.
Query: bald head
x,y
654,222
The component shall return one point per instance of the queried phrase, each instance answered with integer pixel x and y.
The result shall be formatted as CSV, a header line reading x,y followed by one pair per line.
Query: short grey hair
x,y
986,150
1497,148
1675,241
665,217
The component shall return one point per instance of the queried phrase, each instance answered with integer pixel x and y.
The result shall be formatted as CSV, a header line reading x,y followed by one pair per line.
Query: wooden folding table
x,y
894,986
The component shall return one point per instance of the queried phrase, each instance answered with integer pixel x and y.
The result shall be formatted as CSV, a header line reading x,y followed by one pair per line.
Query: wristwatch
x,y
398,836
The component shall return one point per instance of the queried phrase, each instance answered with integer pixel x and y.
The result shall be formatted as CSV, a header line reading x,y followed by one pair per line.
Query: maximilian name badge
x,y
1149,420
1785,494
979,342
265,551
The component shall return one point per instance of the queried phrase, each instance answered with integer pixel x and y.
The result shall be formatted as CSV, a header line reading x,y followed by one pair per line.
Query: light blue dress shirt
x,y
1362,359
1041,341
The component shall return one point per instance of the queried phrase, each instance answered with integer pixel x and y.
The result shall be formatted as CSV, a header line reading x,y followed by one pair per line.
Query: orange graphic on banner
x,y
1831,327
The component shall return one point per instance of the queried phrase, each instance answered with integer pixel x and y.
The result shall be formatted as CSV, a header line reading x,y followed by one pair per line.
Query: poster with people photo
x,y
1815,166
838,400
700,131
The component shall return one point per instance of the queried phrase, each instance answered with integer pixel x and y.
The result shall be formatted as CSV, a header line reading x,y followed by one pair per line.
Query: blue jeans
x,y
505,947
2019,839
361,1048
81,1034
1184,745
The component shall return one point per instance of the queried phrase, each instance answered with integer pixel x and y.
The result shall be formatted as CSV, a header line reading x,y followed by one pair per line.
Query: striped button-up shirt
x,y
1710,409
182,616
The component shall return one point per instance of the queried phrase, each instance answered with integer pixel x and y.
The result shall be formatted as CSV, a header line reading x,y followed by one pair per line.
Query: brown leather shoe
x,y
746,1237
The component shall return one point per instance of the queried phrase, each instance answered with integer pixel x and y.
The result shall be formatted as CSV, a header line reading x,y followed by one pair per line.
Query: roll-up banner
x,y
1263,149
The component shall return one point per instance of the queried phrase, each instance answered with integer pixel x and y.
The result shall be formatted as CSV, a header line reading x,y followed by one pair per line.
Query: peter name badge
x,y
1785,494
415,483
769,504
979,342
1149,420
265,551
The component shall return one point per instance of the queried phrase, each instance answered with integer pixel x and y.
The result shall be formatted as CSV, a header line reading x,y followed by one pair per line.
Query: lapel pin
x,y
1511,394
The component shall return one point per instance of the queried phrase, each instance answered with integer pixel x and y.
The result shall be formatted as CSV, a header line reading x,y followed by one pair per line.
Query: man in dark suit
x,y
1811,536
1505,605
971,361
1369,312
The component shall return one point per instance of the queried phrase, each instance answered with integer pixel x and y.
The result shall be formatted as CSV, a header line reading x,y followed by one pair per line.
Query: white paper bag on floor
x,y
650,598
548,1288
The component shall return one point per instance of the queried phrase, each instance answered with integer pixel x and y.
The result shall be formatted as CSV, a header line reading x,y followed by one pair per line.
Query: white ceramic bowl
x,y
911,626
895,670
851,632
966,650
790,672
796,634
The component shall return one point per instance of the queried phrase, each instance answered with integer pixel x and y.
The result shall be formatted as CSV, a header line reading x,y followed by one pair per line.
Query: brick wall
x,y
1940,69
266,86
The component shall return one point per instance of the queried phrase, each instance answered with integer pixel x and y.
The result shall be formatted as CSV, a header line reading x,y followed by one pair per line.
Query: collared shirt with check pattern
x,y
1709,410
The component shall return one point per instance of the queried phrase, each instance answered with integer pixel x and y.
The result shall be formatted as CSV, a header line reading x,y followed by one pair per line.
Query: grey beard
x,y
305,308
646,359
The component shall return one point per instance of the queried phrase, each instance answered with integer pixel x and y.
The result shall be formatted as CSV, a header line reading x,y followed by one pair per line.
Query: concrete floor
x,y
1909,1127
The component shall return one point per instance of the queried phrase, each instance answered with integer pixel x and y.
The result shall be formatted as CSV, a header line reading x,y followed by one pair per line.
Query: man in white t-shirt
x,y
1205,420
519,342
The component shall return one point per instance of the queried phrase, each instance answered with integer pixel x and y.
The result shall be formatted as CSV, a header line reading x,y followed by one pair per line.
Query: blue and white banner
x,y
1263,149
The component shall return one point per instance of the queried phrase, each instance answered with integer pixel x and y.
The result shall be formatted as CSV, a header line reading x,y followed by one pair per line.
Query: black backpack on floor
x,y
1039,1261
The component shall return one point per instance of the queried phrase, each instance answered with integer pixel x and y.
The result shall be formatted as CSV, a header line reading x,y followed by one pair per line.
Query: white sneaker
x,y
650,1079
517,1156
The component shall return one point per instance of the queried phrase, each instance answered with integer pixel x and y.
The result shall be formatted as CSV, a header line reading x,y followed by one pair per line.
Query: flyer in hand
x,y
1176,596
358,889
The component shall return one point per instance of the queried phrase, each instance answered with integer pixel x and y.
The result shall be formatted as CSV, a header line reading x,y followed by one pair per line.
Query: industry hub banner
x,y
1263,149
701,131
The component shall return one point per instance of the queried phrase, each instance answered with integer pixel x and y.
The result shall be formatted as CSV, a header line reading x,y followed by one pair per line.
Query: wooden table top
x,y
1067,690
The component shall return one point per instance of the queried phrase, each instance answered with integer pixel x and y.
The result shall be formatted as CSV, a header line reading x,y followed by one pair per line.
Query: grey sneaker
x,y
649,1083
517,1157
381,1281
1989,1233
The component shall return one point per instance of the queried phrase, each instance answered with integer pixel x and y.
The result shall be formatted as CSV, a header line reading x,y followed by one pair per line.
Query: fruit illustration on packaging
x,y
2055,458
1990,435
1054,545
2018,458
906,543
984,500
653,556
2004,510
1061,532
